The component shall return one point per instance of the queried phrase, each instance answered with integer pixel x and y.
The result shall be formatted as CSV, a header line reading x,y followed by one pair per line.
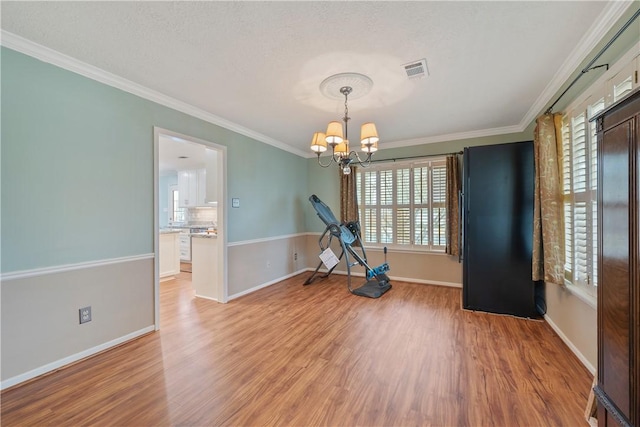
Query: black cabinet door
x,y
498,229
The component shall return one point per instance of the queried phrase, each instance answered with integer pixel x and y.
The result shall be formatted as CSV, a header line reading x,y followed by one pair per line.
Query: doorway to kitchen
x,y
189,215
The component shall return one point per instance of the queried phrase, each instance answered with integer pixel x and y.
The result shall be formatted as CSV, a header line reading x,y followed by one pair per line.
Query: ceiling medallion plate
x,y
360,84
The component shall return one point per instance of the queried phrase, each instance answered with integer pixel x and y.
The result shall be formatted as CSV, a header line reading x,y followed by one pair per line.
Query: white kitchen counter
x,y
169,230
205,235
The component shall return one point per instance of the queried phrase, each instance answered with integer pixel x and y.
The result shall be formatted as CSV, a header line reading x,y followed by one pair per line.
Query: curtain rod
x,y
416,157
590,66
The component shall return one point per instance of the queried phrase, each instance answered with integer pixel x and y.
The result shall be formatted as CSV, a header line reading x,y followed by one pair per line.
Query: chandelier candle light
x,y
344,84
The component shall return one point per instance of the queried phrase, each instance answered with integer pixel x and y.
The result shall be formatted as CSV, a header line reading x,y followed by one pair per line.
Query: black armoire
x,y
618,387
498,185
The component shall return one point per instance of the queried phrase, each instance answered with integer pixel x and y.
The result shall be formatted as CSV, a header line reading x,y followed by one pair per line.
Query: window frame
x,y
175,210
390,201
602,89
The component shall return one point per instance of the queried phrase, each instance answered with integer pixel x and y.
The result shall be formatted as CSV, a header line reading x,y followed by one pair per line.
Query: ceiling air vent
x,y
416,69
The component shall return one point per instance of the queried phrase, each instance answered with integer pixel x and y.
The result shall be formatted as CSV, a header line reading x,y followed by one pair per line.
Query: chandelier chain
x,y
346,91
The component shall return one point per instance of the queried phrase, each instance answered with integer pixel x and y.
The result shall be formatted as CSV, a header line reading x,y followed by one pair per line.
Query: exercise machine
x,y
348,235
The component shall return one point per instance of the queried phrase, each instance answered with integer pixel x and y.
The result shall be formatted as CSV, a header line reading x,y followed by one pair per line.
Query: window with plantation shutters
x,y
580,171
403,204
579,185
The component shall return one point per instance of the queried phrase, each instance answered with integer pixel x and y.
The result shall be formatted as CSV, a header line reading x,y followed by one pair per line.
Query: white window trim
x,y
582,294
394,165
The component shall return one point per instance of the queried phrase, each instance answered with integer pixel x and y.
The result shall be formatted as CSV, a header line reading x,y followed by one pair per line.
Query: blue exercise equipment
x,y
348,235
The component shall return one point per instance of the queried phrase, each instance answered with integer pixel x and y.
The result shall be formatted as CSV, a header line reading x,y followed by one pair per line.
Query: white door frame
x,y
222,214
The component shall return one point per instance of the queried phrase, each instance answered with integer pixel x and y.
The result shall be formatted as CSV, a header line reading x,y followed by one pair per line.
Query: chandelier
x,y
345,84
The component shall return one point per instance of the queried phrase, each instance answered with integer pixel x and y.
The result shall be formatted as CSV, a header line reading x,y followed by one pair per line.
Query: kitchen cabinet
x,y
192,187
185,246
205,267
169,255
187,188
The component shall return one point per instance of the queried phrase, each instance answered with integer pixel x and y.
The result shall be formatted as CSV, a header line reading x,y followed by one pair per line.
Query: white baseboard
x,y
264,285
49,367
205,297
398,278
569,344
343,273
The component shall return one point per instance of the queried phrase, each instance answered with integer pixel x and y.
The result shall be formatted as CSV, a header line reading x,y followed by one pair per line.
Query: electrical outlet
x,y
85,315
295,256
268,264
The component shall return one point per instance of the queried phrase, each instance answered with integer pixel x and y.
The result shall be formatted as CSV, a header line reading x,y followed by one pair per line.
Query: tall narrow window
x,y
177,213
580,168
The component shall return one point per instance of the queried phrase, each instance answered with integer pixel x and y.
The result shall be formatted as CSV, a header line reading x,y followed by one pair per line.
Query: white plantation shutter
x,y
439,214
386,225
593,110
403,187
580,242
386,187
566,156
422,222
568,200
622,88
370,186
622,83
421,192
370,225
568,237
579,153
404,204
403,226
369,197
386,199
579,186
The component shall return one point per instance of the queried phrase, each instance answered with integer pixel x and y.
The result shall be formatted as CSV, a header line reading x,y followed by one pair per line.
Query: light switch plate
x,y
235,203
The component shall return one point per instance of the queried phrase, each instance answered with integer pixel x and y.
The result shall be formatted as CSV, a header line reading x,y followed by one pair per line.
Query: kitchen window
x,y
403,205
177,213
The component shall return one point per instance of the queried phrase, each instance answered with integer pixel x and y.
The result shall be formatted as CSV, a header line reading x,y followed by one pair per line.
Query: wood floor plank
x,y
317,355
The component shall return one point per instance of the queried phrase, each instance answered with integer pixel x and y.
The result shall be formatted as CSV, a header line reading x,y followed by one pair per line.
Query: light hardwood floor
x,y
316,355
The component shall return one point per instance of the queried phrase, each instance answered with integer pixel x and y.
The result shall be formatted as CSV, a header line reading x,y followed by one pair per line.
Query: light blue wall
x,y
164,206
77,170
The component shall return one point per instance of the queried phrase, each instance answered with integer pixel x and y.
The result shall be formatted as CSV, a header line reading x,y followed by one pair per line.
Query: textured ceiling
x,y
259,65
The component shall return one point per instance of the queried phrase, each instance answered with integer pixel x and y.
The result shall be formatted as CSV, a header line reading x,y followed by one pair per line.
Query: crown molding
x,y
45,54
612,12
452,137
